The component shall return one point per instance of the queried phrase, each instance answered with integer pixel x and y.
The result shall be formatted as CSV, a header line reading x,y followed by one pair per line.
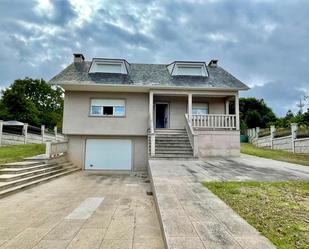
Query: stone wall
x,y
283,143
264,142
218,143
301,145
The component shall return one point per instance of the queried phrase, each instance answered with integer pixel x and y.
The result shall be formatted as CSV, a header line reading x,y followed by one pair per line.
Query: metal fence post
x,y
42,132
294,128
1,129
25,131
272,135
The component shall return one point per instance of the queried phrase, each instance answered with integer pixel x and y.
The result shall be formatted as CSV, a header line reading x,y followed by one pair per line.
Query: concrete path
x,y
82,210
192,217
251,168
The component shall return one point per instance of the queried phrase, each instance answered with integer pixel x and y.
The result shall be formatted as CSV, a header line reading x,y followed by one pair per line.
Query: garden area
x,y
279,155
279,210
16,153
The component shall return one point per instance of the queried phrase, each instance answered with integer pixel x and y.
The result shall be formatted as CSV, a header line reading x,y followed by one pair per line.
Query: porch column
x,y
237,111
152,134
227,107
189,111
151,112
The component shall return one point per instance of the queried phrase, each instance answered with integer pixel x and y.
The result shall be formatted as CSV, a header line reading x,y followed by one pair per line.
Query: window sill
x,y
105,116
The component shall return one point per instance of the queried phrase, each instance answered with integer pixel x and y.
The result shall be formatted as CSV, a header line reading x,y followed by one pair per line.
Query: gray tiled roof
x,y
147,75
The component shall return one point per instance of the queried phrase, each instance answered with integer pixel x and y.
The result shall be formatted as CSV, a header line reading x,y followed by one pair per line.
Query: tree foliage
x,y
301,119
32,101
255,113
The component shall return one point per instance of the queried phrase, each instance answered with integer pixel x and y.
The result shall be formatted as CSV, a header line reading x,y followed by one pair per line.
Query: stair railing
x,y
152,138
193,137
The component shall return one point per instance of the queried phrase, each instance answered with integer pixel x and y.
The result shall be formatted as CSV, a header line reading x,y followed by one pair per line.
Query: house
x,y
119,114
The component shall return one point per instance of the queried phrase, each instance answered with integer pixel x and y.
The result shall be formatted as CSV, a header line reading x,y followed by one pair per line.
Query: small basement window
x,y
107,107
200,108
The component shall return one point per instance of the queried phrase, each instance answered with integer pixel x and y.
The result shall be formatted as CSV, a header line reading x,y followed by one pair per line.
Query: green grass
x,y
279,155
280,210
16,153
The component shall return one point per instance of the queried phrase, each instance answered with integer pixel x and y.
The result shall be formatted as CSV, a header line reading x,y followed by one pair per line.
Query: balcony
x,y
212,121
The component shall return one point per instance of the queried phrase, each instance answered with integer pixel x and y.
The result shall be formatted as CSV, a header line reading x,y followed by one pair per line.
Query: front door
x,y
162,115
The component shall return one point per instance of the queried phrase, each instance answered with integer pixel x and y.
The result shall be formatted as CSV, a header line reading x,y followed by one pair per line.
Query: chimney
x,y
213,63
78,58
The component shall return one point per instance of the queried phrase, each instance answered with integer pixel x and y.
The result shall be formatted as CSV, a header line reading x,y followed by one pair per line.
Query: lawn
x,y
280,210
16,153
279,155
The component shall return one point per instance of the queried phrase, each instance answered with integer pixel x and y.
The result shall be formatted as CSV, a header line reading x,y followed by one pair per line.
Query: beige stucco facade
x,y
178,106
79,125
77,144
218,143
77,119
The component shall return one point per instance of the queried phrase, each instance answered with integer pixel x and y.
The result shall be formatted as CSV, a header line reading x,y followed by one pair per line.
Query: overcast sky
x,y
264,43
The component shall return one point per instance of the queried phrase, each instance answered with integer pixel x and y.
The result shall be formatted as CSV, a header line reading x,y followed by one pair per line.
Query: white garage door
x,y
108,154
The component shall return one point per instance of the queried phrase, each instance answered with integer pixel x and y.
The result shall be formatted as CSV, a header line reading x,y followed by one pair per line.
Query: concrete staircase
x,y
173,144
20,175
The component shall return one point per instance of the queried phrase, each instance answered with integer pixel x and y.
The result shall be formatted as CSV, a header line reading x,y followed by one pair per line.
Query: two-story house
x,y
118,114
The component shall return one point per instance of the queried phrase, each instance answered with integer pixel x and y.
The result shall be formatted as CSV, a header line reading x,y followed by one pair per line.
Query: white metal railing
x,y
222,121
56,148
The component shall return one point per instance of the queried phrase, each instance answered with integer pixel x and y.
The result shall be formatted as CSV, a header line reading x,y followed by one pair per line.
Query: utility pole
x,y
301,106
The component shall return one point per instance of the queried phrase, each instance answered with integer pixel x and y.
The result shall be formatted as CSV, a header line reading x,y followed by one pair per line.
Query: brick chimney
x,y
213,63
78,58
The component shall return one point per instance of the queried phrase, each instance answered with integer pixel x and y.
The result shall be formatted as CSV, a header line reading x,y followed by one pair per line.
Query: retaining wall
x,y
301,145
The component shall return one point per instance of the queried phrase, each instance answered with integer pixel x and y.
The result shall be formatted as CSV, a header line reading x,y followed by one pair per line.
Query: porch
x,y
208,118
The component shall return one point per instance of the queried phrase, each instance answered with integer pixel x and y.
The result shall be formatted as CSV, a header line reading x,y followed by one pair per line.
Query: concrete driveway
x,y
82,211
193,217
251,168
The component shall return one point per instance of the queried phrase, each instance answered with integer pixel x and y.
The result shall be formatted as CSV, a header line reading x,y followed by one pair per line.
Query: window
x,y
183,68
107,107
190,70
108,68
200,108
113,66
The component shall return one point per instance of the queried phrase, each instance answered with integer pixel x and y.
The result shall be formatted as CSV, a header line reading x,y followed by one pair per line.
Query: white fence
x,y
287,143
28,138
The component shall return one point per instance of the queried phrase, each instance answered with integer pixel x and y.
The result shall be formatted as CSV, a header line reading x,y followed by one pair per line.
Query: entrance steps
x,y
172,144
17,176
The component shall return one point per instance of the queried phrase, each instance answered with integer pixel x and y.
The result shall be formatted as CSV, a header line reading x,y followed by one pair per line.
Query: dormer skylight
x,y
182,68
114,66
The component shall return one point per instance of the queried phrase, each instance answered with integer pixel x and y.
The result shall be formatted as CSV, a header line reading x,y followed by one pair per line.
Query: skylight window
x,y
188,69
109,66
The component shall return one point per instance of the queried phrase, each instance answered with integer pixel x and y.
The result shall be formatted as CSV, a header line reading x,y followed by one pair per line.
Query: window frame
x,y
199,103
102,108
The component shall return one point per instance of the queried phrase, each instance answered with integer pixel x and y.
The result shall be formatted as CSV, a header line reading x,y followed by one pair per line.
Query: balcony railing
x,y
212,121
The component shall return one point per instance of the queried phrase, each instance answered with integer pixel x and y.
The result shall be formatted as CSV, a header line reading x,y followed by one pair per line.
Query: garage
x,y
108,154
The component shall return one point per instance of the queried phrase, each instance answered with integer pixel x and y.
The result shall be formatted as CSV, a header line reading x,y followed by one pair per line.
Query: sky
x,y
264,43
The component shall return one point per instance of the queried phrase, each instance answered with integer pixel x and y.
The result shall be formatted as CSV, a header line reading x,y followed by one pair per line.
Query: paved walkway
x,y
251,168
193,218
82,211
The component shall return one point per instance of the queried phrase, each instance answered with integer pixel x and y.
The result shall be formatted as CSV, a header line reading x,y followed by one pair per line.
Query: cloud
x,y
262,42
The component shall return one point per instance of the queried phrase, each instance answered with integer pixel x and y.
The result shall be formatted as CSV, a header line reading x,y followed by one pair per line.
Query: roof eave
x,y
91,85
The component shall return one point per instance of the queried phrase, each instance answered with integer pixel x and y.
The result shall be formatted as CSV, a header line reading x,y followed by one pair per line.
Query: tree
x,y
255,113
32,101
